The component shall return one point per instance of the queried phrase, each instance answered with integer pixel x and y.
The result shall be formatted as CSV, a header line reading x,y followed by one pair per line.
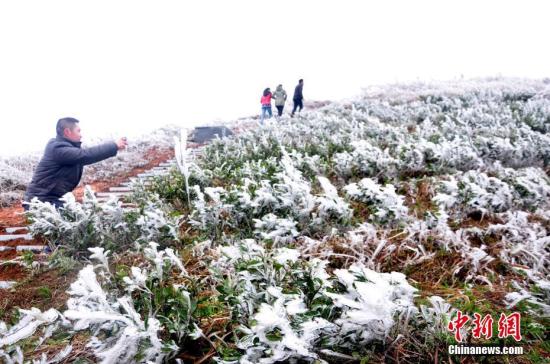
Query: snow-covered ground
x,y
311,239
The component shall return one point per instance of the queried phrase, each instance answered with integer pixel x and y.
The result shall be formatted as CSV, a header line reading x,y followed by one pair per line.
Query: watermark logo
x,y
508,325
482,327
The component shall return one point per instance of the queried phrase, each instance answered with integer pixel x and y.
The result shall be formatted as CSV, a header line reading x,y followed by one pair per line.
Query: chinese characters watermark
x,y
508,325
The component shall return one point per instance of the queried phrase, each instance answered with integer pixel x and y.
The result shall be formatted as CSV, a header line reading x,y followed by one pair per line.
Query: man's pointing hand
x,y
121,143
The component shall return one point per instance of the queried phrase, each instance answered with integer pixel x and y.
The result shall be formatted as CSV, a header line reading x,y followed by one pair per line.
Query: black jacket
x,y
60,169
298,93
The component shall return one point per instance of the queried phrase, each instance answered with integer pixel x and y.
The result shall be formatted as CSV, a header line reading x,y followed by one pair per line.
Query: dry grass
x,y
30,292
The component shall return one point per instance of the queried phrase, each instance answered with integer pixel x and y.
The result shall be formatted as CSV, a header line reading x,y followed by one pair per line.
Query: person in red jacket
x,y
266,104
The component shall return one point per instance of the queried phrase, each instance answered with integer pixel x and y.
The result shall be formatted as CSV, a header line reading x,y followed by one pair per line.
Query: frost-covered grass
x,y
16,172
79,226
353,232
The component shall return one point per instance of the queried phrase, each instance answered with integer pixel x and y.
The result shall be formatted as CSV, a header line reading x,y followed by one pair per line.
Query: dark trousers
x,y
280,109
297,103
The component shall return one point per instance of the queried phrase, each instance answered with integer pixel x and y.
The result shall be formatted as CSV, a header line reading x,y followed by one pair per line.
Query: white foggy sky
x,y
128,67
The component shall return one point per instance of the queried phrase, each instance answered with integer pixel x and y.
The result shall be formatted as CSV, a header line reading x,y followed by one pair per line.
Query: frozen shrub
x,y
280,231
387,206
75,226
291,309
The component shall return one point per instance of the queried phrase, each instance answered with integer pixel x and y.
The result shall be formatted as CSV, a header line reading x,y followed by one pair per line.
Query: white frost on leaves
x,y
389,206
14,356
330,205
370,303
136,280
279,230
27,325
438,315
90,307
101,255
285,255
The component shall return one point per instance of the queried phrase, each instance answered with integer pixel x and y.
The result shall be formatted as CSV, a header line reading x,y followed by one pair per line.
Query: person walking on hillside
x,y
298,97
266,104
60,169
280,98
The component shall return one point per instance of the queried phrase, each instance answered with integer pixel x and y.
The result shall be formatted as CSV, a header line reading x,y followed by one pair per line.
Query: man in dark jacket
x,y
298,97
62,164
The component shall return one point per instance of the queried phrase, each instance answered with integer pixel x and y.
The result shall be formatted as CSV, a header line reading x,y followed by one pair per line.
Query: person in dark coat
x,y
298,97
60,169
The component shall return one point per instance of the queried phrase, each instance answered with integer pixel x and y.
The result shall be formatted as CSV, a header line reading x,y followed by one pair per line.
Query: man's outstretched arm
x,y
67,154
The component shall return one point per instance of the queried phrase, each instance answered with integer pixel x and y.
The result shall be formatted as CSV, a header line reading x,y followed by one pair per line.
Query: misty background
x,y
129,67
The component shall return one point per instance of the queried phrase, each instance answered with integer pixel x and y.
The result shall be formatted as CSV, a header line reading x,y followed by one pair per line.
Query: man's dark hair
x,y
65,123
300,80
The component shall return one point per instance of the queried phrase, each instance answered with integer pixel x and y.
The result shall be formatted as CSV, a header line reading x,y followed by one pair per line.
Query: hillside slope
x,y
353,233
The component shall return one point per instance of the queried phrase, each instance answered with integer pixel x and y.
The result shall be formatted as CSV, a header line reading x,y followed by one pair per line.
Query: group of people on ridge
x,y
280,98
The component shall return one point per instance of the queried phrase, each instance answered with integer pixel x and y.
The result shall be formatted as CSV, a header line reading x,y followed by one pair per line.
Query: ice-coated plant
x,y
437,316
330,206
91,308
366,160
276,210
75,226
479,191
531,186
125,325
525,188
273,339
180,150
387,206
278,230
293,191
291,309
155,225
369,302
525,243
210,213
30,321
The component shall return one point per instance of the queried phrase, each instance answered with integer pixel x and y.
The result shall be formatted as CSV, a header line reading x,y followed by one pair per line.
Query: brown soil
x,y
436,271
79,353
12,216
12,272
8,254
16,242
480,222
534,218
475,219
45,290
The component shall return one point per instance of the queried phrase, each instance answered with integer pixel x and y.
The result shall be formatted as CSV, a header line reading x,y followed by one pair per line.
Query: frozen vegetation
x,y
355,231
